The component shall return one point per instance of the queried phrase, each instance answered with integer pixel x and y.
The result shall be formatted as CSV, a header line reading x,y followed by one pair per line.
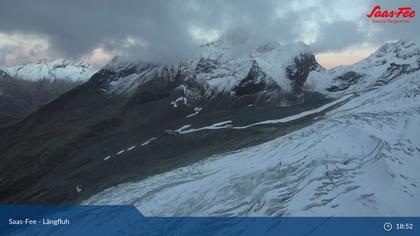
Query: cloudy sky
x,y
95,30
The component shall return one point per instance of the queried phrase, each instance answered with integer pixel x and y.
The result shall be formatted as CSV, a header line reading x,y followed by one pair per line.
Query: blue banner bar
x,y
127,220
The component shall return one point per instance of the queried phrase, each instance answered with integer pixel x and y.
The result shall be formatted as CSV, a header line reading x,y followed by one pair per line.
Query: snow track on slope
x,y
227,124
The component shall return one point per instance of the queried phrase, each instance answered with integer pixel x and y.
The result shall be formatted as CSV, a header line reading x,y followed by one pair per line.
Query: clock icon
x,y
387,226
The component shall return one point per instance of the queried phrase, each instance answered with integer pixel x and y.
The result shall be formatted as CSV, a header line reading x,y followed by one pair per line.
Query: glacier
x,y
360,159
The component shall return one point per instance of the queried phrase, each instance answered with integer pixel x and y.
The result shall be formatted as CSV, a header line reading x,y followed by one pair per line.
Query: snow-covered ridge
x,y
219,66
386,64
229,63
51,70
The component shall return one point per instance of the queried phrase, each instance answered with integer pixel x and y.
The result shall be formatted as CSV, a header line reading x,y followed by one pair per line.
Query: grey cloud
x,y
339,35
75,27
404,31
3,52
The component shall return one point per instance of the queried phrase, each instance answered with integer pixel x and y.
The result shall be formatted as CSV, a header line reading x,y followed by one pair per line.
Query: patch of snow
x,y
78,188
196,111
180,99
220,125
147,141
127,85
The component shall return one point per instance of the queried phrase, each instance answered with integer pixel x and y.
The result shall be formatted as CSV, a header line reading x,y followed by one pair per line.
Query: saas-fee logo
x,y
399,15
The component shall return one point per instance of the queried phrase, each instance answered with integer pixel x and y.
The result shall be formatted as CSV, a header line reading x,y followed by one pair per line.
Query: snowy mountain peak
x,y
229,40
401,52
52,70
385,65
241,46
267,73
400,49
120,64
227,65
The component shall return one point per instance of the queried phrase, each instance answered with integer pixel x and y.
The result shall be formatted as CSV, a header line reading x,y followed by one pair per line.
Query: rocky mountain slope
x,y
219,76
389,62
54,155
359,159
26,88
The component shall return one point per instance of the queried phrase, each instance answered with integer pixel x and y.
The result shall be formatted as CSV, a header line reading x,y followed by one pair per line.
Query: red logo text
x,y
400,15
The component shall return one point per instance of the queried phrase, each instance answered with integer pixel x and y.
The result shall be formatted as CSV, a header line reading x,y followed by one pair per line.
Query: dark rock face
x,y
256,81
265,90
168,85
345,81
206,65
393,71
258,89
298,71
109,73
19,98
